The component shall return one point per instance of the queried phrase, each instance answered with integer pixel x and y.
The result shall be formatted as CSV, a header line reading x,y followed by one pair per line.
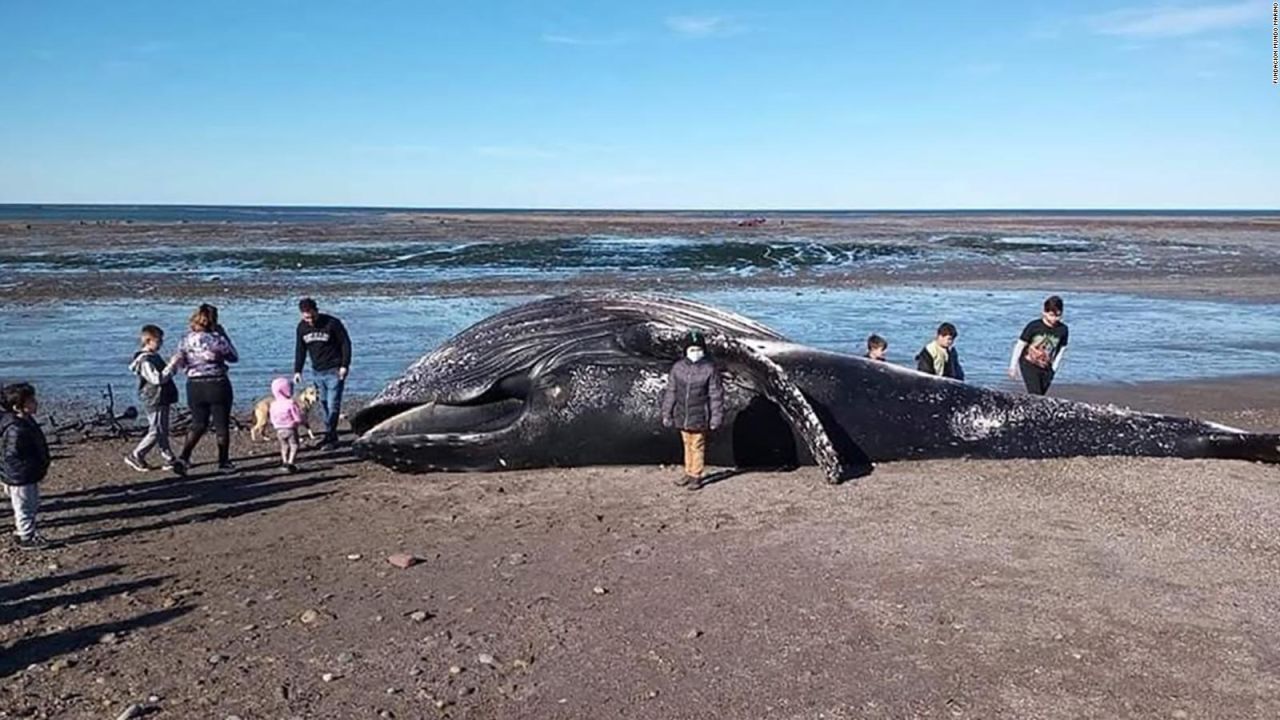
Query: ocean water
x,y
71,350
352,246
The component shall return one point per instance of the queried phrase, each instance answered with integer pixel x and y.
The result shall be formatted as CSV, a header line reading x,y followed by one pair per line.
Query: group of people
x,y
694,398
1037,353
693,401
204,356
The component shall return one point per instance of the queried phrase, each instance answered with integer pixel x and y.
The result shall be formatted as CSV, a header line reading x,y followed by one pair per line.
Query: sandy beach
x,y
1103,588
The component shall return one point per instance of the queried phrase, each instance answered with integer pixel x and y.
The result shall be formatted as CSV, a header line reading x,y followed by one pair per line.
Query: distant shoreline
x,y
180,213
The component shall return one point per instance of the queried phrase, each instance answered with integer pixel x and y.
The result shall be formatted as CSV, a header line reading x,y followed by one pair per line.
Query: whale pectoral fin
x,y
772,379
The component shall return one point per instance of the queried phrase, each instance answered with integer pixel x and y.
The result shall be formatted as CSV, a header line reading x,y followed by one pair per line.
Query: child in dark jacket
x,y
157,393
693,402
940,357
24,460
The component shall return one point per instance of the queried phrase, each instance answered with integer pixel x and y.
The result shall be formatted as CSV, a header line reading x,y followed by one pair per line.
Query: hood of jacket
x,y
281,389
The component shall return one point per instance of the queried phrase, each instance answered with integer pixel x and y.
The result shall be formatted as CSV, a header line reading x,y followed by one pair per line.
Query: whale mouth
x,y
437,436
391,422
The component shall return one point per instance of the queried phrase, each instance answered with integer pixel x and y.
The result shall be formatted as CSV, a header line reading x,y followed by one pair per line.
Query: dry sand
x,y
1099,588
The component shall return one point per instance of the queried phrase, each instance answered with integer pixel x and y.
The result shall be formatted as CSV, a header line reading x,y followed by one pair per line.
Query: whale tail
x,y
1255,447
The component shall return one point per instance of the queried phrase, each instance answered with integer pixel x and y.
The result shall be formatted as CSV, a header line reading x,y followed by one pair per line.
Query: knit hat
x,y
695,339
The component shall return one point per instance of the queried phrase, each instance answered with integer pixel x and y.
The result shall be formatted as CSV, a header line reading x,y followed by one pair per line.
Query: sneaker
x,y
227,467
34,541
176,466
682,481
291,468
136,463
695,483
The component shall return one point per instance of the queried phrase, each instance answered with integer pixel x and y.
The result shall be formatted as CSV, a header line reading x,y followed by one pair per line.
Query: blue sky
x,y
641,105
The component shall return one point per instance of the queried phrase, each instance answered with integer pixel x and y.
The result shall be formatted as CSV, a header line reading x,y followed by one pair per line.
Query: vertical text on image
x,y
1275,42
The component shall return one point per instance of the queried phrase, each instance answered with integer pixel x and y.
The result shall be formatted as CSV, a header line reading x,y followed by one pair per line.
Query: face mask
x,y
694,354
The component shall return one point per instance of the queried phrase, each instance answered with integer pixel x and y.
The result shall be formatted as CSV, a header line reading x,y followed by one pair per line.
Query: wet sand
x,y
1235,257
1103,588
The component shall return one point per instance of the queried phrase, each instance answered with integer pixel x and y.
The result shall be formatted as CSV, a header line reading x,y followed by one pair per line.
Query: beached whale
x,y
577,380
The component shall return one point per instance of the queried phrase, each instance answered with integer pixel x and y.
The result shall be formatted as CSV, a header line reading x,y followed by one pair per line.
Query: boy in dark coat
x,y
24,460
940,356
693,402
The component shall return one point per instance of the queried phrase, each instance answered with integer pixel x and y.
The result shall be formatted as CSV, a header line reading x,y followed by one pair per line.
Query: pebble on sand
x,y
309,616
133,711
403,560
328,677
599,590
419,615
485,659
354,556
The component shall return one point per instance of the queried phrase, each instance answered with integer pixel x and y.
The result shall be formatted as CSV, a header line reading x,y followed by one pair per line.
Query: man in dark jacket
x,y
693,402
24,460
325,339
940,357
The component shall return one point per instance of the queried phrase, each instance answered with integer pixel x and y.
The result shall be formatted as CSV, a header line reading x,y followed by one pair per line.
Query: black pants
x,y
209,399
1036,378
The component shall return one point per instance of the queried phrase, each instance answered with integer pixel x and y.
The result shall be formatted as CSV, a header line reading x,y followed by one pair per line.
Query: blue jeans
x,y
330,388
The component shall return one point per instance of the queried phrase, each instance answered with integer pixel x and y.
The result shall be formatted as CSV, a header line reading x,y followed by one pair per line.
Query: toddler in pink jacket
x,y
286,418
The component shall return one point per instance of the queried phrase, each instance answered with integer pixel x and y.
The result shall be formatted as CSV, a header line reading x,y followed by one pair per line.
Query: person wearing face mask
x,y
693,402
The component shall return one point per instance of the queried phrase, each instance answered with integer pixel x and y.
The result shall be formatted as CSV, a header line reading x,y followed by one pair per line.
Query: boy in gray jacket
x,y
693,402
157,393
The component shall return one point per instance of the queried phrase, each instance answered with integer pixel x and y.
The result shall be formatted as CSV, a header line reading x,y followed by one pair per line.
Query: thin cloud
x,y
701,26
396,149
980,69
582,40
514,152
1172,21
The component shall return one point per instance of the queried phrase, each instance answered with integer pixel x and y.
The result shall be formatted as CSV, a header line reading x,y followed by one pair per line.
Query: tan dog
x,y
305,400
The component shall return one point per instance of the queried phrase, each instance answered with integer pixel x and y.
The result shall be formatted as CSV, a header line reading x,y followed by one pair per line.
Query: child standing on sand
x,y
24,460
693,402
285,418
157,393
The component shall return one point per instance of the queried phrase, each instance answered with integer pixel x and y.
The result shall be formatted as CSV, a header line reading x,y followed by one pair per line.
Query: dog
x,y
306,399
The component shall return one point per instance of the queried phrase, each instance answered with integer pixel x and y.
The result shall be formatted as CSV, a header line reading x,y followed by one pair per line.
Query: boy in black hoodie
x,y
158,393
24,460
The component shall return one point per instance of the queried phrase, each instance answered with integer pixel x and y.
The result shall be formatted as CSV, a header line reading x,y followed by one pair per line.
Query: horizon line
x,y
552,209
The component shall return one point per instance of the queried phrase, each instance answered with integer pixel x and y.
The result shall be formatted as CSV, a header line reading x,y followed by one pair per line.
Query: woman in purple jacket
x,y
693,402
204,353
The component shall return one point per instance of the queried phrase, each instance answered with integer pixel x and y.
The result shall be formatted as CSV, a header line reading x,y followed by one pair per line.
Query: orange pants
x,y
695,452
